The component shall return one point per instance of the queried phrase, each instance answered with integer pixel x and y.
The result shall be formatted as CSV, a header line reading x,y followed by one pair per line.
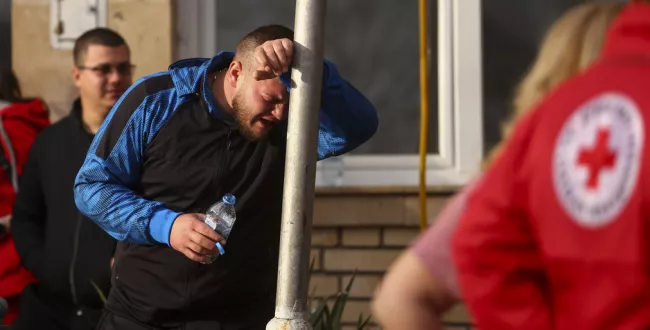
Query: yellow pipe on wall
x,y
424,110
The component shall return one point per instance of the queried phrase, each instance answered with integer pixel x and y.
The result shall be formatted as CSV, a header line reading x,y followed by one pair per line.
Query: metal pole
x,y
300,171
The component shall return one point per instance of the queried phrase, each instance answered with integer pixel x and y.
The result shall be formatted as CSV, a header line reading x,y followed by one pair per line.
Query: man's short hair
x,y
97,36
9,86
259,36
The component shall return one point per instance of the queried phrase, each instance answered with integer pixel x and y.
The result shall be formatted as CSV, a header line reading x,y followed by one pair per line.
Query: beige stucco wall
x,y
45,72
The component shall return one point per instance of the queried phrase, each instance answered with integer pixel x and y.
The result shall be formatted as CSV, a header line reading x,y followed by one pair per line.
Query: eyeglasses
x,y
106,68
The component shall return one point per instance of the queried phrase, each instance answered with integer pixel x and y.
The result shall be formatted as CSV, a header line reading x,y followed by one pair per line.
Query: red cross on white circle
x,y
597,158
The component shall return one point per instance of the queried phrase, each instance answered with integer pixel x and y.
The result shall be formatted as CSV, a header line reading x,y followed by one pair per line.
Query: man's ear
x,y
75,75
235,72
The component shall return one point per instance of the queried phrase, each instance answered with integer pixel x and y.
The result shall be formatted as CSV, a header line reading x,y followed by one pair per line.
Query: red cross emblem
x,y
597,158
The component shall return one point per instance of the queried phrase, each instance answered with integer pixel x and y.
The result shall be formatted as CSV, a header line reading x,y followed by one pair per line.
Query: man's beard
x,y
244,118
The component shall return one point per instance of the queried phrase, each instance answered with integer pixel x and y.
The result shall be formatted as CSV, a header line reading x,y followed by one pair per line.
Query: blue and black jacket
x,y
165,149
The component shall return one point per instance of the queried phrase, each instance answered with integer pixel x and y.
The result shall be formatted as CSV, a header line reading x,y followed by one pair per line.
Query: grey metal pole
x,y
300,171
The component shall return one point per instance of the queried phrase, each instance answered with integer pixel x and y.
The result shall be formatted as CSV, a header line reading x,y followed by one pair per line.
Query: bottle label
x,y
211,222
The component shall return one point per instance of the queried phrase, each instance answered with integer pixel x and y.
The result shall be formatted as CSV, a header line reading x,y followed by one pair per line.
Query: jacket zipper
x,y
228,142
75,250
223,165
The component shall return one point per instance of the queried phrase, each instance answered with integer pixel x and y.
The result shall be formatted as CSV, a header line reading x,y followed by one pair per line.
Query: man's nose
x,y
279,111
114,77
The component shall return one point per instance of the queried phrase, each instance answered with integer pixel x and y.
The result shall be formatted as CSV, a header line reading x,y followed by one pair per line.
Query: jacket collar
x,y
190,77
75,115
629,34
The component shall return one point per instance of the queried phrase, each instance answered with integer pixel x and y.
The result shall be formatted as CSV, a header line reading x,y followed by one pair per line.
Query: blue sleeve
x,y
347,118
104,187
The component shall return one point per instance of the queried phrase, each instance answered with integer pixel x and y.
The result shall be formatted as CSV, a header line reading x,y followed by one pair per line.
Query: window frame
x,y
199,39
460,115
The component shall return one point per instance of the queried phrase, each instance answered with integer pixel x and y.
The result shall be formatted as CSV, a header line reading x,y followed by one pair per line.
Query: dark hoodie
x,y
67,253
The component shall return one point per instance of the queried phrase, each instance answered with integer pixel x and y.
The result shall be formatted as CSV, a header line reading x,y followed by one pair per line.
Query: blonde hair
x,y
570,45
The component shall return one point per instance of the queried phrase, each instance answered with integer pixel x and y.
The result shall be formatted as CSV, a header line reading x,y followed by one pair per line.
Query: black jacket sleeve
x,y
28,221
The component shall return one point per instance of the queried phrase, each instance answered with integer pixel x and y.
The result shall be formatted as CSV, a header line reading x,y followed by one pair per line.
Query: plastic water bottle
x,y
221,217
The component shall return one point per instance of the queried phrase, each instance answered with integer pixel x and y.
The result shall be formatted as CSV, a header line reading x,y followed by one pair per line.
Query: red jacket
x,y
21,123
557,235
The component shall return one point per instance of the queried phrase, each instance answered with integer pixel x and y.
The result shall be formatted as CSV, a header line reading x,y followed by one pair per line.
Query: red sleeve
x,y
494,250
22,122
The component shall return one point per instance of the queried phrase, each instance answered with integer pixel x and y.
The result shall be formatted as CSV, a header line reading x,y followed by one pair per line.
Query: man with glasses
x,y
69,255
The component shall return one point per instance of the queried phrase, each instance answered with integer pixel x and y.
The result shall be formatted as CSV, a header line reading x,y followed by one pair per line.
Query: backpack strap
x,y
8,165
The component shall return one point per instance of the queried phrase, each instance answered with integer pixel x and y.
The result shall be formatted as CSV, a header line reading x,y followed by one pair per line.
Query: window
x,y
375,46
512,32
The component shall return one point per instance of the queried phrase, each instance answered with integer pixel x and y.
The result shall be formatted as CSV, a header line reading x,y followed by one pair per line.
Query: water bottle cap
x,y
229,199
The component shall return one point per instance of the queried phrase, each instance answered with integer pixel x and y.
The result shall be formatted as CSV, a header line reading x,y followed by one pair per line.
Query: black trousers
x,y
39,311
111,321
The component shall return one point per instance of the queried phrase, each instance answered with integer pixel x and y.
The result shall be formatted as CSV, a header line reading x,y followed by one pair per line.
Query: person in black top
x,y
69,255
175,144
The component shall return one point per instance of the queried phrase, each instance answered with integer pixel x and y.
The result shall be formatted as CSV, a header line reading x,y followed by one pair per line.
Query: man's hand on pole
x,y
272,58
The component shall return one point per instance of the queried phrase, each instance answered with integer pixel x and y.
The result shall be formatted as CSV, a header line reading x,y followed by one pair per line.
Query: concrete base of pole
x,y
284,324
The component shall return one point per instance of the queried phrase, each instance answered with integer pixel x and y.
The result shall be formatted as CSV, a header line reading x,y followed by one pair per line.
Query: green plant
x,y
99,291
325,318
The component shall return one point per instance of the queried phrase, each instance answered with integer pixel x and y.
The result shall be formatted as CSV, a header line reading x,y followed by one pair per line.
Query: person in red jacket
x,y
556,235
20,121
421,286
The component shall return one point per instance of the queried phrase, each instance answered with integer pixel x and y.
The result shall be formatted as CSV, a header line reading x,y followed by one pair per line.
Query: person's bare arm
x,y
421,284
410,297
5,225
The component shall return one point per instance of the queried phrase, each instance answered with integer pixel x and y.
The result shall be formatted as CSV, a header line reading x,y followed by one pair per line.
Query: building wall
x,y
363,232
45,72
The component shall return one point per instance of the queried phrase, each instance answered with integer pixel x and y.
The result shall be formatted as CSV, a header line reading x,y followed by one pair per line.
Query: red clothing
x,y
21,122
557,234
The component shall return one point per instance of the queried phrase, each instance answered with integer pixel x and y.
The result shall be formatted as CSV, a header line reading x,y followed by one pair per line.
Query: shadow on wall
x,y
61,109
5,33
